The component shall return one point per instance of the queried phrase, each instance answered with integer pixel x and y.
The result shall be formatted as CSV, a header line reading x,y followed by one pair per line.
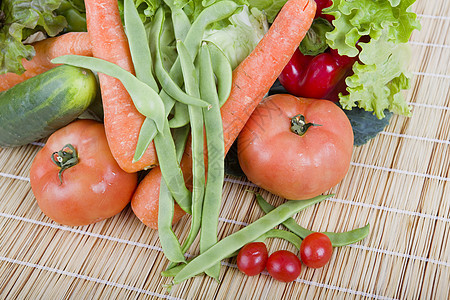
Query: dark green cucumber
x,y
37,107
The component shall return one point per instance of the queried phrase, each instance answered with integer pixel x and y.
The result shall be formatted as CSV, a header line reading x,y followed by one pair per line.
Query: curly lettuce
x,y
381,75
22,18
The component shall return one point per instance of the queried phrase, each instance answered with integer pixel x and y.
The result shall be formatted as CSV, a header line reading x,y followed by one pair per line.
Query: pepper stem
x,y
65,158
299,125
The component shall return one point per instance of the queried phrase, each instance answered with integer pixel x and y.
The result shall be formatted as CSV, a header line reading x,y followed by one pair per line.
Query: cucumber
x,y
37,107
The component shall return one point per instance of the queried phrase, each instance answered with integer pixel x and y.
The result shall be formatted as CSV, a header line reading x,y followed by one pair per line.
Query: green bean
x,y
181,23
223,72
169,242
338,239
198,165
180,136
139,48
216,154
146,135
167,83
154,40
273,233
143,66
235,241
281,234
142,62
171,170
180,115
145,99
211,14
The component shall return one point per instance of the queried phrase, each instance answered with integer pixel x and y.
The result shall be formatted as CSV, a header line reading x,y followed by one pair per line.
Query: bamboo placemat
x,y
398,182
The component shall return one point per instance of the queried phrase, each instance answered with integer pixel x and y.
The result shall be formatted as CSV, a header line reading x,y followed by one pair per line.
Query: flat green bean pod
x,y
216,154
237,240
223,72
139,47
180,115
180,136
169,242
143,66
146,135
181,23
145,99
171,170
198,166
167,83
281,234
273,233
194,37
338,239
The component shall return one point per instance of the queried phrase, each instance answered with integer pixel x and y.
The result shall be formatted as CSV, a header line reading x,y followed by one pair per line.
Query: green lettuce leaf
x,y
355,19
22,18
377,83
381,75
238,39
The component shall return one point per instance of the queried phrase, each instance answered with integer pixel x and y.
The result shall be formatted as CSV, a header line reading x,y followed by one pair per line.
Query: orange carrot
x,y
122,120
252,79
46,50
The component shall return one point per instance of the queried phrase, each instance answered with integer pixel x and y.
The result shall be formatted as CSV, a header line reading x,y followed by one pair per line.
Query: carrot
x,y
46,50
122,120
252,79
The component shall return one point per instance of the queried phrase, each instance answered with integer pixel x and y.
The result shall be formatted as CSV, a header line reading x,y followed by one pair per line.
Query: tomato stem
x,y
65,158
299,125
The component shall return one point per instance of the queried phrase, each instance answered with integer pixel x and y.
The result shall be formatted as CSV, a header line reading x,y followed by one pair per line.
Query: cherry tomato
x,y
316,250
284,266
252,258
76,180
296,148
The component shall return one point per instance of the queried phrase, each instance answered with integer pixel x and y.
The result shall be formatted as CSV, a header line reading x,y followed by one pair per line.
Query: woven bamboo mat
x,y
398,182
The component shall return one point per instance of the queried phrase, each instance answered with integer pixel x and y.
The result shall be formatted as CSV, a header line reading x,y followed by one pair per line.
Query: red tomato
x,y
252,258
91,190
284,266
290,165
316,250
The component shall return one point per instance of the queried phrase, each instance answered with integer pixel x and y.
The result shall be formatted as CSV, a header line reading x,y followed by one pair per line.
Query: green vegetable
x,y
315,41
338,239
235,241
378,81
216,154
198,163
39,106
238,39
22,18
146,100
269,7
146,8
377,84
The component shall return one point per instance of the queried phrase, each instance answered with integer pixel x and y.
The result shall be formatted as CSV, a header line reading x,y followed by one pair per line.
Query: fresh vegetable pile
x,y
180,81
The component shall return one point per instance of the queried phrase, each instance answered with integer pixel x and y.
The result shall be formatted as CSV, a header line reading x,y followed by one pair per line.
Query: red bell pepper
x,y
315,70
321,4
317,76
